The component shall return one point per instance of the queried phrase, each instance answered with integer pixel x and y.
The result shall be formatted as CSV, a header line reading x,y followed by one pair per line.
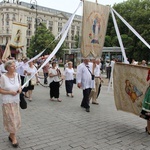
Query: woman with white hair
x,y
10,88
69,77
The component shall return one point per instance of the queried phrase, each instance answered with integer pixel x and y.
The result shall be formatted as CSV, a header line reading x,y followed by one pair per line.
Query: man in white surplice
x,y
84,81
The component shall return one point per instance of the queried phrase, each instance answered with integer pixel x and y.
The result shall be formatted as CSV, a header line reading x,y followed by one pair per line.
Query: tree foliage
x,y
43,39
137,14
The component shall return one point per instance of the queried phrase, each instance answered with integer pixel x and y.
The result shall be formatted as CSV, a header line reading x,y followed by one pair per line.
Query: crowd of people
x,y
15,73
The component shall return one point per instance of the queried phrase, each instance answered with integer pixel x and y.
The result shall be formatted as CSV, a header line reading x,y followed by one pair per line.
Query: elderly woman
x,y
54,74
69,77
31,71
10,89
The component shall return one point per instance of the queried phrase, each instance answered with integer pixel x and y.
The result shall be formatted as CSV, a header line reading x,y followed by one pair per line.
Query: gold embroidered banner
x,y
95,18
7,52
130,86
18,36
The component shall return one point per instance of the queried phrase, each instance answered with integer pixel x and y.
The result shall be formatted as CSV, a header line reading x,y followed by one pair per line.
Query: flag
x,y
130,86
95,18
18,37
7,52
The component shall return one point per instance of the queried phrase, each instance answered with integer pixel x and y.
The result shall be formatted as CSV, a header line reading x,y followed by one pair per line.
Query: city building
x,y
32,14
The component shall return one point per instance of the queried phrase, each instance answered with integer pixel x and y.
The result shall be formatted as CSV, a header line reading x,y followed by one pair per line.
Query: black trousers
x,y
45,78
22,82
85,100
54,89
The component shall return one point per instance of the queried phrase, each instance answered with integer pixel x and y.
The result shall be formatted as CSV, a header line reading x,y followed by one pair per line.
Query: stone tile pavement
x,y
52,125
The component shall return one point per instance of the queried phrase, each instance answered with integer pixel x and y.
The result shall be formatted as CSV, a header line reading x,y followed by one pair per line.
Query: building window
x,y
7,23
59,29
28,42
7,39
72,27
51,23
50,28
7,31
13,18
72,37
7,16
59,24
29,18
29,26
78,28
28,32
72,32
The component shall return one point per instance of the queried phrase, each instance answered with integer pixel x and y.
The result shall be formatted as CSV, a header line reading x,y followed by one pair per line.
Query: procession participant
x,y
30,71
69,77
10,89
54,74
45,72
145,113
97,78
84,81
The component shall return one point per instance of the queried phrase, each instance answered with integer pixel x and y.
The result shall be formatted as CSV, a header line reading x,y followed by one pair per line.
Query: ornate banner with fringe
x,y
95,18
18,36
130,85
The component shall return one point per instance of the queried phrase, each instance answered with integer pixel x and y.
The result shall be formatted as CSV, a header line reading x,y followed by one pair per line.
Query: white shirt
x,y
112,63
2,68
30,70
84,76
24,66
53,72
10,84
69,74
97,70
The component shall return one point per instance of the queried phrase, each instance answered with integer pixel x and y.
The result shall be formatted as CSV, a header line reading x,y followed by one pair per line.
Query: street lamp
x,y
34,6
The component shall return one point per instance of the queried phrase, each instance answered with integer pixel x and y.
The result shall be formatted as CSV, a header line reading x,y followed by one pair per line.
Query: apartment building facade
x,y
32,15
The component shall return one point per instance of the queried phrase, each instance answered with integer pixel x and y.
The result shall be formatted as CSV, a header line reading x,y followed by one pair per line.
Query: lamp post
x,y
34,6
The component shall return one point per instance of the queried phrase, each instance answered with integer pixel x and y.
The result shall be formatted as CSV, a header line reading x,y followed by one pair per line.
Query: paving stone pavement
x,y
52,125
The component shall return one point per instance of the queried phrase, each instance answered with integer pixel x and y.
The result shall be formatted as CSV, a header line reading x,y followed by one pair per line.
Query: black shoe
x,y
82,106
10,139
14,145
87,109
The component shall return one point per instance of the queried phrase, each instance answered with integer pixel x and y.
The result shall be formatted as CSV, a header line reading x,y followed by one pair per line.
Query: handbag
x,y
74,80
33,81
23,103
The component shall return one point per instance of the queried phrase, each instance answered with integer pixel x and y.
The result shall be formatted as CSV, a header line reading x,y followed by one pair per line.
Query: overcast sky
x,y
69,5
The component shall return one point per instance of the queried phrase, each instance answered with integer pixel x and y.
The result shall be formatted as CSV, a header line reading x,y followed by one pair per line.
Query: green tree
x,y
136,13
42,39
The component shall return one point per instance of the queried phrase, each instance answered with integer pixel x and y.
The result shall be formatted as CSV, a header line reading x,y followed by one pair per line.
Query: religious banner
x,y
18,36
7,52
130,86
95,19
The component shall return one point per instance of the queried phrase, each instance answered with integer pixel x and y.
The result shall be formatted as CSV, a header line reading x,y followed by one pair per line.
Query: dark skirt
x,y
69,86
145,113
30,87
54,89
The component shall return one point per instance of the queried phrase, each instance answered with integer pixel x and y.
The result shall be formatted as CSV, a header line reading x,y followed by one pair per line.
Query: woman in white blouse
x,y
30,71
10,89
69,77
54,74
